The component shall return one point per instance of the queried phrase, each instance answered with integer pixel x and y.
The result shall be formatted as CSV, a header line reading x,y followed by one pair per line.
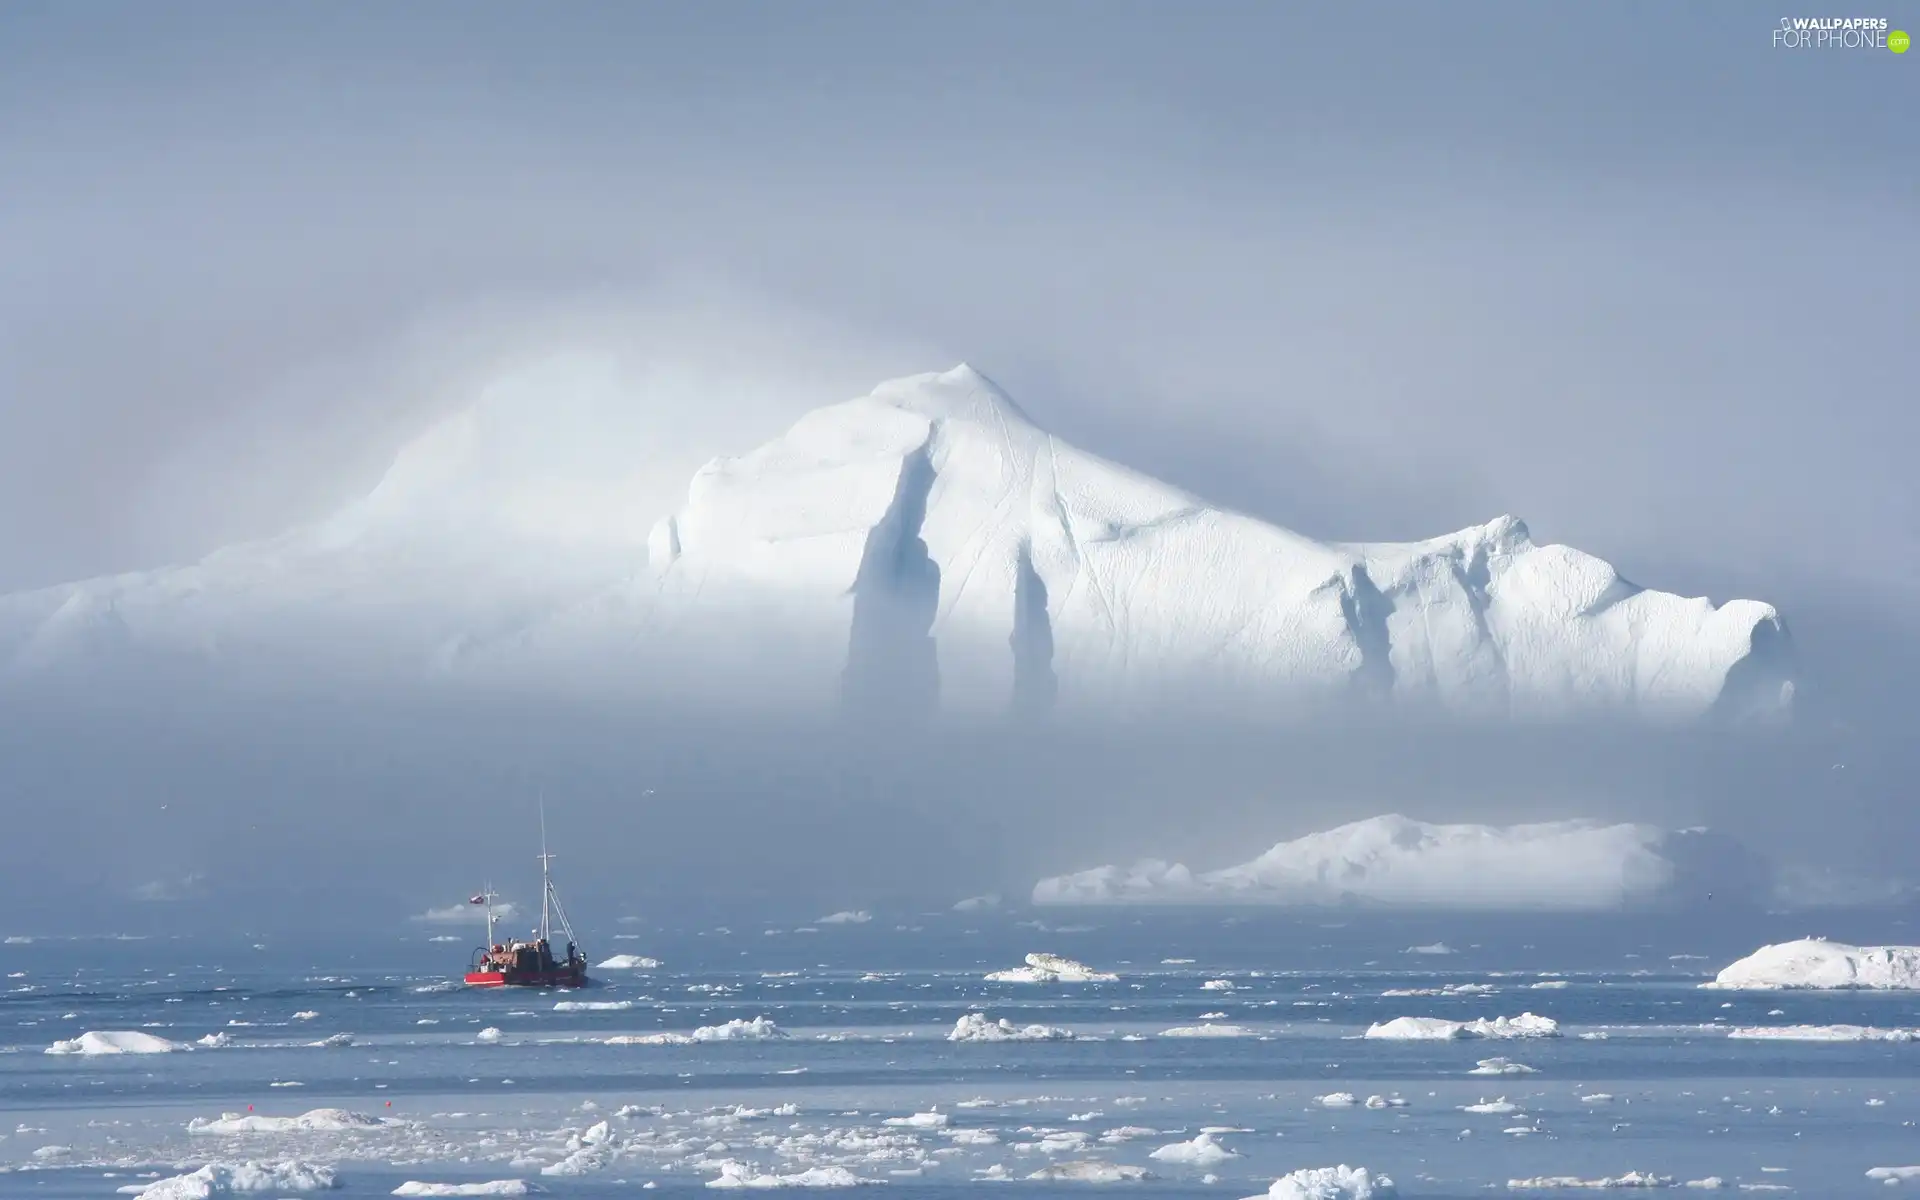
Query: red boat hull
x,y
558,977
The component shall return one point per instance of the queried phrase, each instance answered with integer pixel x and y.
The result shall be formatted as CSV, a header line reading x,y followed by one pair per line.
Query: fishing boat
x,y
530,963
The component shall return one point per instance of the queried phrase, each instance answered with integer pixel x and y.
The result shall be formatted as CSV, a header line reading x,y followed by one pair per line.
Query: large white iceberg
x,y
1430,1029
1819,963
926,545
318,1120
1051,968
737,1030
228,1179
114,1041
1330,1183
976,1027
1393,861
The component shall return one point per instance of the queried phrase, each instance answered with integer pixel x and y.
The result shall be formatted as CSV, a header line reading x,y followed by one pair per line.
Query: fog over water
x,y
1376,274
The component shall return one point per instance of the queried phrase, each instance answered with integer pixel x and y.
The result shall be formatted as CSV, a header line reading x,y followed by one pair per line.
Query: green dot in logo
x,y
1898,41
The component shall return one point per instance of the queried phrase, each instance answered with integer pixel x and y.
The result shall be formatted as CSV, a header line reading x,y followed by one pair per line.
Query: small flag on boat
x,y
478,900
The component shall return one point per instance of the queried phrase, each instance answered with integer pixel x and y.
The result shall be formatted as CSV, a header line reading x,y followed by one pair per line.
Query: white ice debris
x,y
1143,586
1822,1033
215,1041
628,962
1501,1066
1492,1108
1431,948
592,1005
1394,1101
1200,1151
488,1036
1632,1179
975,1027
1819,963
1893,1175
846,917
1393,861
1336,1100
745,1175
227,1179
977,903
1051,968
1089,1171
1418,1029
318,1120
1207,1030
114,1041
305,1014
919,1120
1330,1183
492,1187
736,1030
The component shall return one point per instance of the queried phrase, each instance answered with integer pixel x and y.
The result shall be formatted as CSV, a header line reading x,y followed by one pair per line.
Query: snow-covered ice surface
x,y
1050,576
777,1063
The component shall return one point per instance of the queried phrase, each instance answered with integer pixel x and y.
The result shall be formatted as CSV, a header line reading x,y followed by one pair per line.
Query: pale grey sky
x,y
1371,271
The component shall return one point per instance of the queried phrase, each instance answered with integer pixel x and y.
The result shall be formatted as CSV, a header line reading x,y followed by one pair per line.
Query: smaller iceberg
x,y
1819,963
1051,968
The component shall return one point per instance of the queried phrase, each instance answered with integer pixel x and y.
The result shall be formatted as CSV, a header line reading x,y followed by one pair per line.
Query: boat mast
x,y
487,895
546,878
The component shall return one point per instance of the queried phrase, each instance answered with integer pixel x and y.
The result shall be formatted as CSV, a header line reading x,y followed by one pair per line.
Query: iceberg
x,y
736,1030
1200,1151
1330,1183
744,1175
319,1120
1089,1171
924,547
628,962
227,1179
1394,861
1429,1029
491,1187
976,1027
1819,963
114,1041
1051,968
1822,1033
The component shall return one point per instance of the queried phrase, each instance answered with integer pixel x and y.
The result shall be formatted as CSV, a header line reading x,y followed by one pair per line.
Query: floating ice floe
x,y
1632,1179
736,1030
1501,1066
628,962
1819,963
1330,1183
1492,1108
592,1005
226,1179
488,1036
1822,1033
1451,989
1207,1030
1199,1151
318,1120
492,1187
115,1041
919,1120
746,1175
338,1041
1090,1171
1893,1175
215,1041
848,917
1336,1100
305,1015
1424,1029
1431,948
1394,1101
1051,968
975,1027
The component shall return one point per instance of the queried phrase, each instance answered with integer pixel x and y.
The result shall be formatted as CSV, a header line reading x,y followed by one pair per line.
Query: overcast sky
x,y
1371,271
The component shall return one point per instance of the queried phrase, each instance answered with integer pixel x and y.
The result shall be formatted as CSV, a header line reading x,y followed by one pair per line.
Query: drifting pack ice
x,y
924,547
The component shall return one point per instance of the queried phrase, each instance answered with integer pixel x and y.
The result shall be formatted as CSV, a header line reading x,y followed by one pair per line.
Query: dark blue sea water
x,y
866,1008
